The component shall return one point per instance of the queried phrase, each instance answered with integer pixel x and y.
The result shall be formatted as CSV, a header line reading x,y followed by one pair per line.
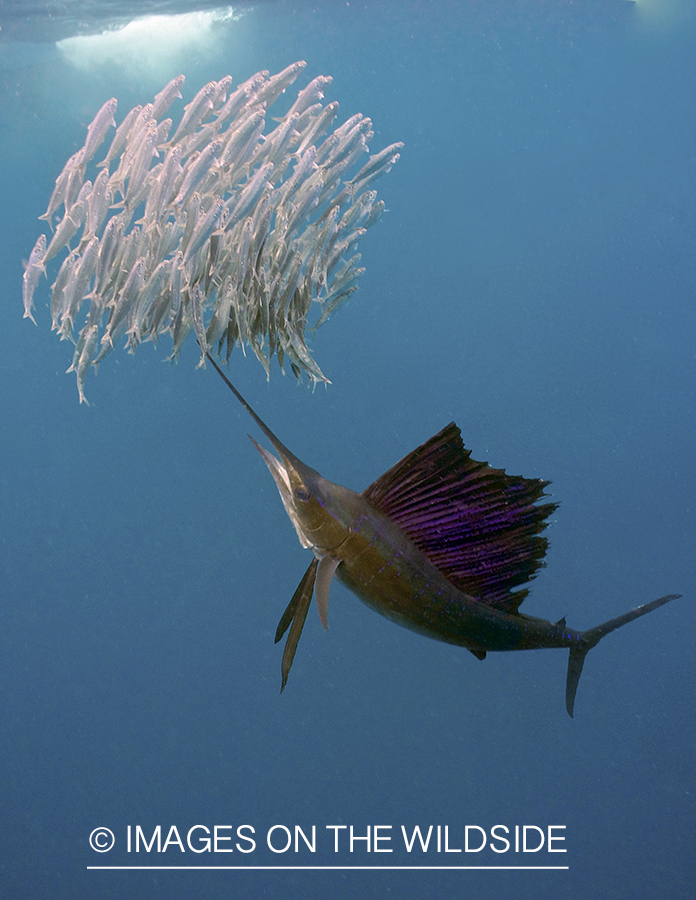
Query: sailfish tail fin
x,y
591,637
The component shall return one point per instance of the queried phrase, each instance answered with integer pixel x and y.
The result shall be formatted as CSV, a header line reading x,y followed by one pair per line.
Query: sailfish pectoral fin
x,y
327,566
294,618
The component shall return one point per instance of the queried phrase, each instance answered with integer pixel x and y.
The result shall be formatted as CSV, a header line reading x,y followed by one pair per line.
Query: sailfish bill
x,y
440,543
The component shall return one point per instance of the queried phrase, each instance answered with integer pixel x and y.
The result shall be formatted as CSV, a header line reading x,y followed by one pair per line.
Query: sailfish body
x,y
436,544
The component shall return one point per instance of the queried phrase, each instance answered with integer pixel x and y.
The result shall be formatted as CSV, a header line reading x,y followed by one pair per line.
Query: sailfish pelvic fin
x,y
294,618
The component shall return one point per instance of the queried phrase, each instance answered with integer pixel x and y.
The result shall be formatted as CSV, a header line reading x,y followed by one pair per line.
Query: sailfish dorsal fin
x,y
478,525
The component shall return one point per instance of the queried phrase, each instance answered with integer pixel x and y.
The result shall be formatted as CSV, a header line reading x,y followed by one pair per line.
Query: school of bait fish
x,y
240,237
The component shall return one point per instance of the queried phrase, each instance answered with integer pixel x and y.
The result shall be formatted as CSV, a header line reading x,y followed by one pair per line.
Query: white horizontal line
x,y
333,868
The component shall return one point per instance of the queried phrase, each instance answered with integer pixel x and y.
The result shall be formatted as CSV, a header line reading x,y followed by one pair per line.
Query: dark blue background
x,y
533,280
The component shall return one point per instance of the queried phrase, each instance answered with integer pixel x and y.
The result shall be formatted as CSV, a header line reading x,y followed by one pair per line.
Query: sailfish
x,y
437,544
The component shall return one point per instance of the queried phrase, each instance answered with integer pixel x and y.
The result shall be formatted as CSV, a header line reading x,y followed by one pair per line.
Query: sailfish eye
x,y
302,494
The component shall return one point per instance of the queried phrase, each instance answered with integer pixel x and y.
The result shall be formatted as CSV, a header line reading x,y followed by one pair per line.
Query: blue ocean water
x,y
533,280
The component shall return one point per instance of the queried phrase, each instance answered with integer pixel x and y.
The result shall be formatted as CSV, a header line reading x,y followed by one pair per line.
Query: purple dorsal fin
x,y
477,524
